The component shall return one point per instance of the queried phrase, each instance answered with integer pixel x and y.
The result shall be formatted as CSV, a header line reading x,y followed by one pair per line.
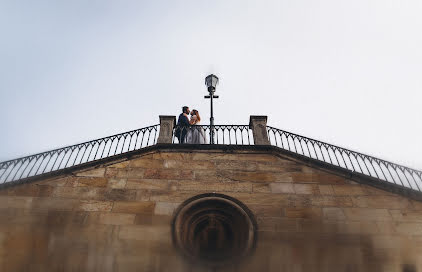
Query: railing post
x,y
167,123
258,124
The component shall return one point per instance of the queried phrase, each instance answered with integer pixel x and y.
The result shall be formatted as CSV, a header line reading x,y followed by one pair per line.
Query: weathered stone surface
x,y
98,172
283,188
50,203
168,174
213,186
388,202
406,215
94,182
367,214
306,189
165,208
326,189
308,213
134,207
146,163
117,217
333,214
150,184
152,219
117,183
91,205
145,233
348,190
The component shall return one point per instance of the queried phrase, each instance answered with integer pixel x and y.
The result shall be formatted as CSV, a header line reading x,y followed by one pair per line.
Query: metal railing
x,y
223,134
347,159
69,156
62,158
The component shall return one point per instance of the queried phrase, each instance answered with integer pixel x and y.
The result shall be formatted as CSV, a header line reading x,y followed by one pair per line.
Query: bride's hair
x,y
195,112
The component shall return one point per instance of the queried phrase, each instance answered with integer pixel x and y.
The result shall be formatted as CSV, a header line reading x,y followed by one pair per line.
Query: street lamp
x,y
211,82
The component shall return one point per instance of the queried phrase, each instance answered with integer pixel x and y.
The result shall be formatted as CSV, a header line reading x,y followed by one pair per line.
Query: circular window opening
x,y
214,229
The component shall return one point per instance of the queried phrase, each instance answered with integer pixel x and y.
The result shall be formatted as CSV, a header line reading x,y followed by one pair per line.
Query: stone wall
x,y
117,217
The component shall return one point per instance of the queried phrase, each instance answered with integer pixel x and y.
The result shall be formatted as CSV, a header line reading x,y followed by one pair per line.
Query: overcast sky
x,y
345,72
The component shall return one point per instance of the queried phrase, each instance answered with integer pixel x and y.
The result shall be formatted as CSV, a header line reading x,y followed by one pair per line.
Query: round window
x,y
214,229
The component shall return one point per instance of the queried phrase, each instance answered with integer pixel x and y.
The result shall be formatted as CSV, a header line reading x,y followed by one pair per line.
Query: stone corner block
x,y
167,124
258,124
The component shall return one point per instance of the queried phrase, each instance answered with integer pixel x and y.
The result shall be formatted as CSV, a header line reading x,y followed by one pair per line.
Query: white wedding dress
x,y
196,134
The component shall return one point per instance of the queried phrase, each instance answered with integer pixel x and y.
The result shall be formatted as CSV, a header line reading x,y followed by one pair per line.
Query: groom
x,y
182,125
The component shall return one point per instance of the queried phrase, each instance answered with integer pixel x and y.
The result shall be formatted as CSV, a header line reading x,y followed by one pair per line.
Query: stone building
x,y
222,207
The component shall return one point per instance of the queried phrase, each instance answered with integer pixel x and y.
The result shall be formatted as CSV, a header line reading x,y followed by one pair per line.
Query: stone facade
x,y
117,216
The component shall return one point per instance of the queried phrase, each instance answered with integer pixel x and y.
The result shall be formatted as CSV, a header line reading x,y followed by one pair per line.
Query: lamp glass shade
x,y
211,81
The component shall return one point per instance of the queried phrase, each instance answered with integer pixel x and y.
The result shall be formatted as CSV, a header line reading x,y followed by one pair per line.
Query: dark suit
x,y
182,128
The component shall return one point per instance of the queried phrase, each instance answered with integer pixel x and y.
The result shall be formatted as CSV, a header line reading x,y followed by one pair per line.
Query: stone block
x,y
115,173
166,196
323,177
278,166
281,188
118,195
117,183
213,186
146,163
165,208
251,176
145,233
197,165
357,227
92,205
266,210
385,227
308,213
348,190
326,189
236,157
390,241
55,204
149,184
306,189
173,156
143,207
98,172
333,214
133,173
21,190
235,165
406,215
150,219
261,188
92,181
331,201
168,174
116,218
16,202
377,201
121,165
367,214
211,175
78,192
409,228
277,224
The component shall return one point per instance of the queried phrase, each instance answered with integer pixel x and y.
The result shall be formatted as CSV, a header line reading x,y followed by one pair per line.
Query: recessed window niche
x,y
214,229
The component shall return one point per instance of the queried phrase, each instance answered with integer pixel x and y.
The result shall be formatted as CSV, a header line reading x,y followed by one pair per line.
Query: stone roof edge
x,y
264,149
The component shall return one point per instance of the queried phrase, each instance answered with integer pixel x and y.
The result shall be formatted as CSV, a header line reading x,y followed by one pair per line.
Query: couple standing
x,y
189,131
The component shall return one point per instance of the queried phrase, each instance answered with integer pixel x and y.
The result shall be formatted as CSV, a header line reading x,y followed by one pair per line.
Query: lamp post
x,y
211,82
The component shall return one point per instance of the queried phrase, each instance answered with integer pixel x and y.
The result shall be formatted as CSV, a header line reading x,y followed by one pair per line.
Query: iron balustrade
x,y
223,134
355,162
347,159
69,156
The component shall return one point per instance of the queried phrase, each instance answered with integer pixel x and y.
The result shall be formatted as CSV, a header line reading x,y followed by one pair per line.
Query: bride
x,y
196,134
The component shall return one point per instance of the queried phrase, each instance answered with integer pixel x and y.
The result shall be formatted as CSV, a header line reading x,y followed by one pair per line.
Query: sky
x,y
344,72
